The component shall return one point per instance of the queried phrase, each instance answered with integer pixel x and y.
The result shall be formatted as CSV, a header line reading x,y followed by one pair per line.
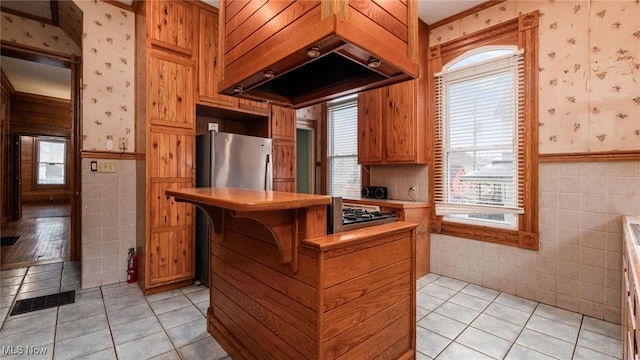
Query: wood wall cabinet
x,y
208,68
170,25
283,133
165,109
392,121
390,129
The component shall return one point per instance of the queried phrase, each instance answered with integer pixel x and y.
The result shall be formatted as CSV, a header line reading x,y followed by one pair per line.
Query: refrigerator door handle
x,y
267,173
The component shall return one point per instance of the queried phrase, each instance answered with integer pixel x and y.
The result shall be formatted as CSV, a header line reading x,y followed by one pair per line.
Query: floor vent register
x,y
43,302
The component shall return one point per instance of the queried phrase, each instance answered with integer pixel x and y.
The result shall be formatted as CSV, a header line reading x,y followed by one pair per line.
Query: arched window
x,y
480,110
485,142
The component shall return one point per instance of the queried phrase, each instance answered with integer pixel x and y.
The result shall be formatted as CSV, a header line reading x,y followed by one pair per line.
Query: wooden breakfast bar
x,y
282,289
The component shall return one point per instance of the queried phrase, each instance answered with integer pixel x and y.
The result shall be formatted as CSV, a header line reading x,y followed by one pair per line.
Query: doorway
x,y
40,162
305,163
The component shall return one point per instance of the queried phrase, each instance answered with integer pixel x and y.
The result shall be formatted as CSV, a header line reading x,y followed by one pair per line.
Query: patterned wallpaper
x,y
32,33
589,70
108,66
108,54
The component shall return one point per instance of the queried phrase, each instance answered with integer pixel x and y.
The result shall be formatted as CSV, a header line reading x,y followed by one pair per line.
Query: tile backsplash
x,y
578,266
399,178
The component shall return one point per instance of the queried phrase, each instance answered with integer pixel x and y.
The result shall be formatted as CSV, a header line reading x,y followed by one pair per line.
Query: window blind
x,y
342,148
479,164
51,161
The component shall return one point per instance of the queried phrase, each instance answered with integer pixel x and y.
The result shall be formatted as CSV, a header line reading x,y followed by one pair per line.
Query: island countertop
x,y
248,199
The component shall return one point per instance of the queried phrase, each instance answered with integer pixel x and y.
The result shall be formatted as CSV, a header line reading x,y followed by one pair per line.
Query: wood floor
x,y
44,232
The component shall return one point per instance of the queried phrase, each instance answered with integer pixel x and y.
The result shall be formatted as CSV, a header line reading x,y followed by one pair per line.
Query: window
x,y
485,146
479,117
342,147
52,154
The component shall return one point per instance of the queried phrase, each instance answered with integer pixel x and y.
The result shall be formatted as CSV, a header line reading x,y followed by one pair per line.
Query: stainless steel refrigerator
x,y
227,160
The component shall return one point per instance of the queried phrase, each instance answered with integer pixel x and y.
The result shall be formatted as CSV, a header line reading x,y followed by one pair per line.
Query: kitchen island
x,y
282,289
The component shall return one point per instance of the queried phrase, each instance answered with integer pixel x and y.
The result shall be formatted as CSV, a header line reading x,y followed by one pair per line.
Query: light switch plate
x,y
106,166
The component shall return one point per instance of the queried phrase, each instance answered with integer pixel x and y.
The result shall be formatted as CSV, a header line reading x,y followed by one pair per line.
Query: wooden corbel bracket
x,y
283,225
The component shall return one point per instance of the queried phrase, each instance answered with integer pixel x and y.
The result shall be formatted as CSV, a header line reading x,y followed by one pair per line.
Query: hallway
x,y
44,236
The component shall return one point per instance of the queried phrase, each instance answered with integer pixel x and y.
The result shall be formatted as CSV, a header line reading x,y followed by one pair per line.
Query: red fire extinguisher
x,y
132,265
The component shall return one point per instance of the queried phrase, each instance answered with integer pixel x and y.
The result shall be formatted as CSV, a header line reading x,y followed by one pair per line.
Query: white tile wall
x,y
579,261
108,222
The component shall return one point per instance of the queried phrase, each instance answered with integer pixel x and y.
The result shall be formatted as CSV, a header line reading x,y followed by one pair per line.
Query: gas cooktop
x,y
354,215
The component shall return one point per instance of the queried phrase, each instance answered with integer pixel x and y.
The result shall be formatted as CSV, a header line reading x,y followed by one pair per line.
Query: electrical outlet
x,y
123,143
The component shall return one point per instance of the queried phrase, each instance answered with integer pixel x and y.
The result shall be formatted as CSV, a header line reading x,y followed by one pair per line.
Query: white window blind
x,y
342,148
51,161
479,167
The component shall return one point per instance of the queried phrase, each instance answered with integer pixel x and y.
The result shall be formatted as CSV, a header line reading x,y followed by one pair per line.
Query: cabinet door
x,y
370,127
170,154
208,64
169,247
170,25
400,127
170,252
284,162
170,256
284,186
170,91
283,123
283,132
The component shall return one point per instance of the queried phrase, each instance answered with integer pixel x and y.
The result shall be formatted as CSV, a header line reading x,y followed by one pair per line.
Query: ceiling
x,y
47,80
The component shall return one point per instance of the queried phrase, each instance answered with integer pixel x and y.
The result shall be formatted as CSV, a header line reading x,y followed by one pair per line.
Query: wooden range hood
x,y
265,47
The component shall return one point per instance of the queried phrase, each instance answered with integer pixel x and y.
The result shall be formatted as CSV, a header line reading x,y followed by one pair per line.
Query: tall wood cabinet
x,y
392,121
176,68
165,109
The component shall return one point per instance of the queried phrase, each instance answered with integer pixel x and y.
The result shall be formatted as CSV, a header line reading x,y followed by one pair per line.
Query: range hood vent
x,y
359,44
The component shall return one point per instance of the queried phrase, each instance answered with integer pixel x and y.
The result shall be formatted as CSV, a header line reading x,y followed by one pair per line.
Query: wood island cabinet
x,y
282,289
418,213
392,121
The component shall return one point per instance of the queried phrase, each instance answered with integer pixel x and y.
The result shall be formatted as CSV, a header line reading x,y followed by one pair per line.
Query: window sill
x,y
515,238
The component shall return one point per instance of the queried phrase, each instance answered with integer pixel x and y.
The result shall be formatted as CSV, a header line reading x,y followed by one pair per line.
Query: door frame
x,y
74,63
314,166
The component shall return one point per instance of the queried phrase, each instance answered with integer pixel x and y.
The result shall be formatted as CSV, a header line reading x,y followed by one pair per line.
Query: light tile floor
x,y
458,320
455,320
110,322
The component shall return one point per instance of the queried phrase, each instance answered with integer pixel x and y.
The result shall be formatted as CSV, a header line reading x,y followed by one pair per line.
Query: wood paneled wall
x,y
40,115
4,151
29,189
